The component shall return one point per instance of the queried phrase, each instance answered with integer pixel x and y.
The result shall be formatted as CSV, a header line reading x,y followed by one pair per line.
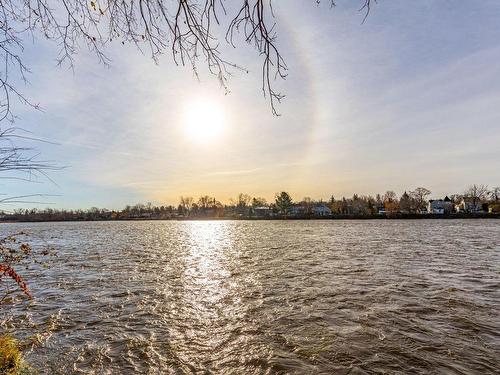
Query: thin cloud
x,y
234,172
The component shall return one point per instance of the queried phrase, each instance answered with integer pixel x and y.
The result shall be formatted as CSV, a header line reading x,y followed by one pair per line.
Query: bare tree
x,y
419,196
390,196
495,199
205,202
476,194
477,191
184,28
495,194
243,200
186,203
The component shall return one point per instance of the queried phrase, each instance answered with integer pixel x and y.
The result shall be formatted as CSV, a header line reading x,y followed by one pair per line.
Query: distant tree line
x,y
475,199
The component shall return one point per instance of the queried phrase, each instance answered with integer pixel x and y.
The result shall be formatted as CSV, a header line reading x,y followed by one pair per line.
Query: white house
x,y
440,206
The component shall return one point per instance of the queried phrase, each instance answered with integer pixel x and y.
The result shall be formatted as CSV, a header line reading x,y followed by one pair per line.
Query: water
x,y
279,297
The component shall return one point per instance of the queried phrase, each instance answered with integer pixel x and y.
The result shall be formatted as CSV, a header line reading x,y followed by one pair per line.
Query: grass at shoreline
x,y
11,358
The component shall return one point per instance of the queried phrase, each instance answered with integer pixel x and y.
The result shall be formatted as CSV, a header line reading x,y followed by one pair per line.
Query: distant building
x,y
316,210
297,210
470,205
440,206
321,210
262,211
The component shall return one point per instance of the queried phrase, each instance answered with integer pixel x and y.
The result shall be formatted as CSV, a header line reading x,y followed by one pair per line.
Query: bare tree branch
x,y
185,28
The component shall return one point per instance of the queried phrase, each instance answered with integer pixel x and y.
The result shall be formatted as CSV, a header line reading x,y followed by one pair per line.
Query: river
x,y
262,297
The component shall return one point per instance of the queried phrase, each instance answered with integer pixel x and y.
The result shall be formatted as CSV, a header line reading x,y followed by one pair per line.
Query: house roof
x,y
446,199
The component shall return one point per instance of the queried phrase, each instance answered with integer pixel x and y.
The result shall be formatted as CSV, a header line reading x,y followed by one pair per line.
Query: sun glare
x,y
204,121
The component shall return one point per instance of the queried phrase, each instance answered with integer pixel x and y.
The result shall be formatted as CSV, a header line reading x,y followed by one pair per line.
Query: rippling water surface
x,y
264,297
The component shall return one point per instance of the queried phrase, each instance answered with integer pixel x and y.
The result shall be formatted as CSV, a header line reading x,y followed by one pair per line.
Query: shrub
x,y
11,359
16,253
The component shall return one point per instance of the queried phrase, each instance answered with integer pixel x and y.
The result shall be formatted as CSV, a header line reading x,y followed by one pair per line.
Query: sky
x,y
408,98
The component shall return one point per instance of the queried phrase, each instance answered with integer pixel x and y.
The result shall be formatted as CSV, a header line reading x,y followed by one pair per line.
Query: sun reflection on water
x,y
209,245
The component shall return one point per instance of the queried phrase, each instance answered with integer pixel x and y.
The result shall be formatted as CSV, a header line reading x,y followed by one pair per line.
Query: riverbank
x,y
269,218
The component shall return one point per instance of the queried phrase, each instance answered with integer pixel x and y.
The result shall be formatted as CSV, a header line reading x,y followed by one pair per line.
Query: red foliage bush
x,y
6,270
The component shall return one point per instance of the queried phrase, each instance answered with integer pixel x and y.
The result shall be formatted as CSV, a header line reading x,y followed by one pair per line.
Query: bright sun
x,y
204,121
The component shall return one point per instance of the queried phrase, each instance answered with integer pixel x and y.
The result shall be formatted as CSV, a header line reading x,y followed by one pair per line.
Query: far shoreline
x,y
281,218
